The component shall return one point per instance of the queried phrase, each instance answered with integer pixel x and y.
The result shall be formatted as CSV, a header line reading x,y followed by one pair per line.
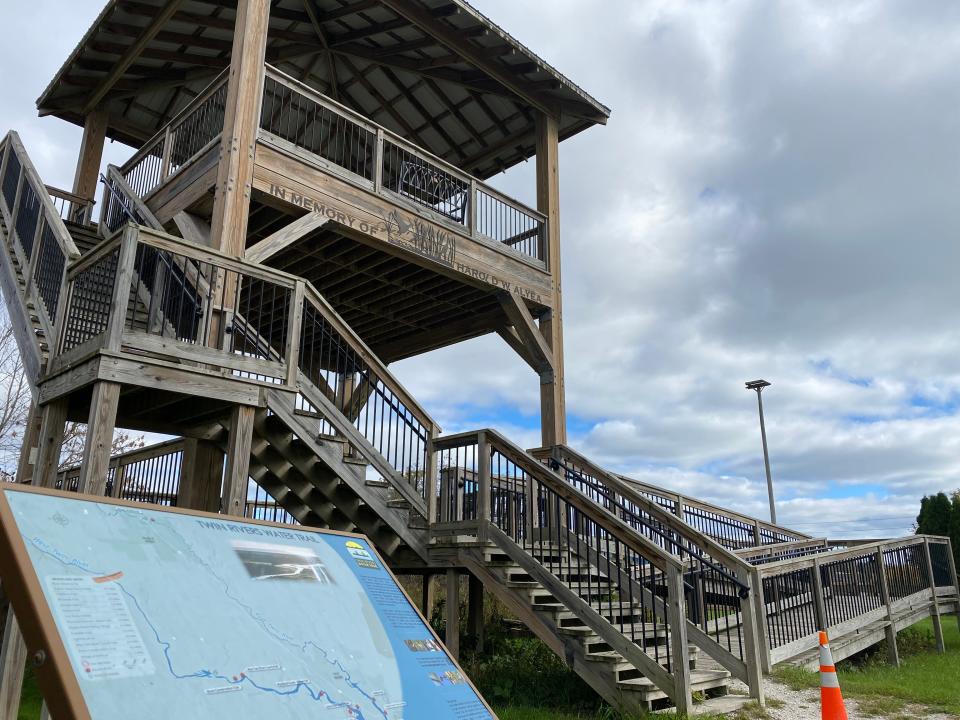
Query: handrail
x,y
176,120
760,526
847,589
624,587
379,159
720,610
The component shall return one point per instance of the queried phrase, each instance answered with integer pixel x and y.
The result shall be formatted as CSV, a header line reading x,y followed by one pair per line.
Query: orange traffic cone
x,y
831,700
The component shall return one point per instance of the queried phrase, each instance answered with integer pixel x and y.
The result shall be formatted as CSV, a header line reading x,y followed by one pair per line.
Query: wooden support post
x,y
52,424
553,414
241,120
13,662
428,595
430,479
819,604
201,476
935,606
452,636
237,475
953,578
893,653
753,637
756,533
28,451
99,441
88,161
678,507
680,657
484,487
760,613
475,611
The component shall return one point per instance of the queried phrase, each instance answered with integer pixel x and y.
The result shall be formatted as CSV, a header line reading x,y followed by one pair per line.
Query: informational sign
x,y
168,614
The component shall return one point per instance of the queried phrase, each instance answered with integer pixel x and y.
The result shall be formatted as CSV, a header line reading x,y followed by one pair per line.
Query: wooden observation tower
x,y
306,204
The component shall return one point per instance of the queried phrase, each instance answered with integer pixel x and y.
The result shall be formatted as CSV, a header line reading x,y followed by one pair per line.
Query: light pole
x,y
759,385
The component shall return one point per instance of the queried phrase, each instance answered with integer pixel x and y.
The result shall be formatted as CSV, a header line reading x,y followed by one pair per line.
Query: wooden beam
x,y
29,449
99,440
287,235
192,228
472,53
538,350
452,636
91,154
553,413
237,475
241,120
132,53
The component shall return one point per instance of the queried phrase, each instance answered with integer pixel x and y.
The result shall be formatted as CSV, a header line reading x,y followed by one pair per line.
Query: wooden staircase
x,y
613,676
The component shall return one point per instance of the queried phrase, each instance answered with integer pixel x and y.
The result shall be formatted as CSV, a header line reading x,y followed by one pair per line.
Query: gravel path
x,y
805,705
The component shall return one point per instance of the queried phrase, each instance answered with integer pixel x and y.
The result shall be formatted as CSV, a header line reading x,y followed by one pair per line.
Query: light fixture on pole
x,y
759,385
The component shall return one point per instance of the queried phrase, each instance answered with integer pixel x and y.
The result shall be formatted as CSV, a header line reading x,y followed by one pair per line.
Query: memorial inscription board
x,y
174,614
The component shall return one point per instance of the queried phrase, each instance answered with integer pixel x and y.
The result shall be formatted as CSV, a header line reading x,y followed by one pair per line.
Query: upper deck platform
x,y
365,195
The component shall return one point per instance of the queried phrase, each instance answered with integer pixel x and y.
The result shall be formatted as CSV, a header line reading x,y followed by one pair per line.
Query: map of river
x,y
166,615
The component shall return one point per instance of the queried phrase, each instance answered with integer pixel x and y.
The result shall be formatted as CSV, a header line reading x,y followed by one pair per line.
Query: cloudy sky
x,y
773,197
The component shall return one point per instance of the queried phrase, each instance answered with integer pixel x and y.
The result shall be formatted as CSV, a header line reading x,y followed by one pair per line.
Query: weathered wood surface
x,y
397,229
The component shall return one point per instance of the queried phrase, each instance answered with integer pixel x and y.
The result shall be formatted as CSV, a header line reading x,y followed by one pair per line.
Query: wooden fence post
x,y
484,485
452,634
760,613
753,638
953,578
680,657
819,604
13,662
893,653
935,608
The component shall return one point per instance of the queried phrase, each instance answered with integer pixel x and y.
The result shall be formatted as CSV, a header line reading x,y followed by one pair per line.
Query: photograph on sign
x,y
170,614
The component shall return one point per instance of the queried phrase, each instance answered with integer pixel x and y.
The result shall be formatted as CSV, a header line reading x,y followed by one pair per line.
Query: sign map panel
x,y
167,614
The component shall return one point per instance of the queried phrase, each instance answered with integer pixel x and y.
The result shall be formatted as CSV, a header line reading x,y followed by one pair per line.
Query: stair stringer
x,y
24,330
563,646
371,496
587,615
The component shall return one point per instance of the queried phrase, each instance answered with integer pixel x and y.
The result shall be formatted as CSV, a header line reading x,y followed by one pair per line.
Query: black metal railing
x,y
345,373
730,529
302,121
89,299
297,116
612,570
190,132
713,579
790,613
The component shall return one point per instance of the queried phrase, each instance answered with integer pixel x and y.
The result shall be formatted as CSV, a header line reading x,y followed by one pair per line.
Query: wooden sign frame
x,y
46,650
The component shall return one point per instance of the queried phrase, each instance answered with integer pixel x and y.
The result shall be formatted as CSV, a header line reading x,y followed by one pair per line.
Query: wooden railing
x,y
71,207
490,488
148,293
349,145
189,134
731,529
717,582
842,591
153,474
38,238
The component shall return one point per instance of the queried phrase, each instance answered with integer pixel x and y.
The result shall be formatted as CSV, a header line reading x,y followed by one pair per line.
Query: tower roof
x,y
435,71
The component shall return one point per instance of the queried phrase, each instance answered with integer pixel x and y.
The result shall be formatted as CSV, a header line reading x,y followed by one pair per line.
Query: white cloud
x,y
773,197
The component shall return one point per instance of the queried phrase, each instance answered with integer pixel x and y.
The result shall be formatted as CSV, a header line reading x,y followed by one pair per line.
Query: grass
x,y
923,678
